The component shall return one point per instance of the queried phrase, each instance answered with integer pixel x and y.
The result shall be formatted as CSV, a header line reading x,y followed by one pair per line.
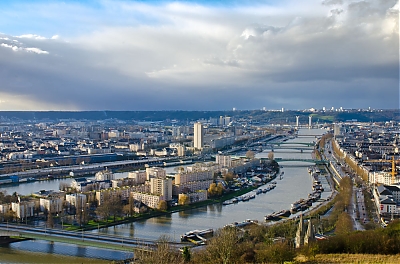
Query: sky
x,y
198,55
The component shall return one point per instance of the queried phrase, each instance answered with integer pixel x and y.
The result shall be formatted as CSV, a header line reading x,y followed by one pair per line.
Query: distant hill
x,y
285,117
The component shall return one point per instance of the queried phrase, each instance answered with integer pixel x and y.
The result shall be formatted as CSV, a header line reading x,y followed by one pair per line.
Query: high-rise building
x,y
155,172
223,160
162,187
198,136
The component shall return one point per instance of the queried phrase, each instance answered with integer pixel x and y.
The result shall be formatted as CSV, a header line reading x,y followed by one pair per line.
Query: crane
x,y
393,161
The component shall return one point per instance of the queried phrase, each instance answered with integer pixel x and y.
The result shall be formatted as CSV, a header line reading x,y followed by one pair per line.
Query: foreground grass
x,y
350,258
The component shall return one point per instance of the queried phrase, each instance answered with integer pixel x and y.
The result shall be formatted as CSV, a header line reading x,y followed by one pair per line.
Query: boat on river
x,y
197,236
276,216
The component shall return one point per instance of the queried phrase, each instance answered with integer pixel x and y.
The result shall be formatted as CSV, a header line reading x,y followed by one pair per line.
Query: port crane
x,y
392,161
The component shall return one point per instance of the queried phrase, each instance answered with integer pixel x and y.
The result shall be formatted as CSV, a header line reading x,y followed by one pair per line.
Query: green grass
x,y
323,117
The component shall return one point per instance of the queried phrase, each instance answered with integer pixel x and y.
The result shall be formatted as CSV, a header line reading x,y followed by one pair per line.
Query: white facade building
x,y
155,172
51,204
198,136
104,175
76,200
23,209
223,160
150,200
161,187
139,177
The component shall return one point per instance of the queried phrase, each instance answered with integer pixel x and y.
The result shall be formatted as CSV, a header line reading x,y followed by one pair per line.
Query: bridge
x,y
90,168
82,238
289,148
317,162
308,144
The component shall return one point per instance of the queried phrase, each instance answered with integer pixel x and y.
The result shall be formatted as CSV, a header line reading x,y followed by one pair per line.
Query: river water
x,y
295,184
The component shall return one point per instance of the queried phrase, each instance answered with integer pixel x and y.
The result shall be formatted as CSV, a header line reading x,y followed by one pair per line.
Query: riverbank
x,y
93,225
5,240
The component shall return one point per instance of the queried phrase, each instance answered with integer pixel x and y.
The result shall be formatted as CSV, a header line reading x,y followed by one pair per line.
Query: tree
x,y
276,253
162,205
344,224
228,177
186,254
50,220
223,246
9,215
212,190
129,208
63,186
103,210
111,206
183,199
220,189
250,154
271,155
162,254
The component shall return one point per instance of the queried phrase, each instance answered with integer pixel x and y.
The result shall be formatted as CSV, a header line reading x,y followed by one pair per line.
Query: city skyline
x,y
198,55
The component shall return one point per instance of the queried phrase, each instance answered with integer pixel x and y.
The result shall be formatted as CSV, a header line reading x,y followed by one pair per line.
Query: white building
x,y
23,209
161,187
181,178
223,160
195,196
387,199
139,177
150,200
198,136
84,185
382,177
121,193
4,208
155,172
222,142
51,204
76,200
104,175
191,186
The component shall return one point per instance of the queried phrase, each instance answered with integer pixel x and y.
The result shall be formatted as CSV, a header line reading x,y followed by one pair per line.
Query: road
x,y
357,205
52,234
357,202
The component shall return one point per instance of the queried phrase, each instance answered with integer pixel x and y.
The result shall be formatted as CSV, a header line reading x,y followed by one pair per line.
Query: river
x,y
295,184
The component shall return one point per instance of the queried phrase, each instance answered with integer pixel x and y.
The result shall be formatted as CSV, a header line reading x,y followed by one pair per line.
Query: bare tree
x,y
271,155
250,154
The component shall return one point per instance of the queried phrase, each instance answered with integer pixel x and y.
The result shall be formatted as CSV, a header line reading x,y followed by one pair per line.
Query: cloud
x,y
31,36
17,48
36,50
138,56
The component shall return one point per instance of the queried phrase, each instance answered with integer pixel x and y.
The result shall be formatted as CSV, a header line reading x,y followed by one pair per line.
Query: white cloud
x,y
31,36
36,50
16,48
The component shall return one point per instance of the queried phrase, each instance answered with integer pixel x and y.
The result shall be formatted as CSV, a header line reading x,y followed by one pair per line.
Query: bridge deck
x,y
82,238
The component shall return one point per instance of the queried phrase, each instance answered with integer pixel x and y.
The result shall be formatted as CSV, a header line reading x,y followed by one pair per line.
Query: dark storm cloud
x,y
198,58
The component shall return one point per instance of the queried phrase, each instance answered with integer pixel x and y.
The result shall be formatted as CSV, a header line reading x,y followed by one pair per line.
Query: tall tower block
x,y
309,121
198,136
297,121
